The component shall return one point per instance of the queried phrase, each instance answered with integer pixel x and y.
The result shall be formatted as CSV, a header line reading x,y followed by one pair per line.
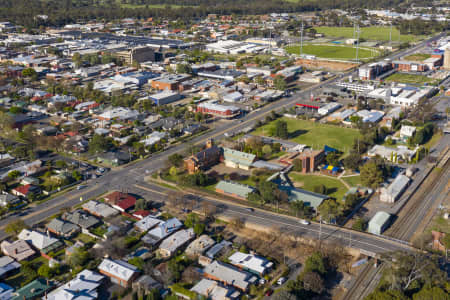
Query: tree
x,y
175,160
281,129
28,72
137,262
191,220
79,257
359,224
77,175
371,175
267,149
321,189
184,69
141,204
199,228
386,295
434,293
297,206
45,271
173,171
14,174
329,210
279,83
315,263
15,227
99,143
313,282
332,158
297,165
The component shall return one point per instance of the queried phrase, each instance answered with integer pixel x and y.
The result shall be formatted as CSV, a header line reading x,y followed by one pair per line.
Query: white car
x,y
281,280
304,222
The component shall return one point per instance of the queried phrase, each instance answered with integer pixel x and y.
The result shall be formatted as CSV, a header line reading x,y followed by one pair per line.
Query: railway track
x,y
363,283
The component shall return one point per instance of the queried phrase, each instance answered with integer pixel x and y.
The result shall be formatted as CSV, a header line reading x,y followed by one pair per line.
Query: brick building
x,y
204,159
310,159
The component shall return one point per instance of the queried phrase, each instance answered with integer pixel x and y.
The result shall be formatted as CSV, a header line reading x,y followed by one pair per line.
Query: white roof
x,y
100,209
7,264
37,239
83,286
250,262
229,275
407,130
178,239
118,268
147,223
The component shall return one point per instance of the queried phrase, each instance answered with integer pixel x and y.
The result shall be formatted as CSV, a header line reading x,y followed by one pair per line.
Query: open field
x,y
335,188
410,79
352,180
379,33
341,52
417,57
315,135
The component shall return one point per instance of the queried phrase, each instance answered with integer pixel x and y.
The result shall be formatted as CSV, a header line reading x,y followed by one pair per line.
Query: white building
x,y
83,286
395,189
251,263
329,108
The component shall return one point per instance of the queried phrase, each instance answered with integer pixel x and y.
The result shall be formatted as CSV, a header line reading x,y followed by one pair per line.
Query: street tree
x,y
15,227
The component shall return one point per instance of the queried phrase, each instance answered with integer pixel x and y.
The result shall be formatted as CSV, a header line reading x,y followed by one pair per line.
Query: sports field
x,y
340,52
410,79
378,33
417,57
315,135
335,188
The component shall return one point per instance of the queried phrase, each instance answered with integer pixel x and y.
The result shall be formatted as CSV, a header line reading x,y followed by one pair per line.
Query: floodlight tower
x,y
301,38
358,31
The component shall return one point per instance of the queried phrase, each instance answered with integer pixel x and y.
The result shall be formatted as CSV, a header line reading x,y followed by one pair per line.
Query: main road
x,y
132,176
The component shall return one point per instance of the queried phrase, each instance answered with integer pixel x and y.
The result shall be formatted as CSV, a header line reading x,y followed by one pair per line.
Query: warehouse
x,y
395,189
379,223
165,97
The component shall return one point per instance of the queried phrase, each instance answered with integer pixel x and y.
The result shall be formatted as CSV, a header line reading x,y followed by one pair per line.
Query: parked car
x,y
269,292
304,222
80,187
250,209
281,280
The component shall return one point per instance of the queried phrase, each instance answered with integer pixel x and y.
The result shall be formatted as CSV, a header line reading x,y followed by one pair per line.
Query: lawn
x,y
410,79
378,33
341,52
315,135
352,180
307,182
172,6
417,57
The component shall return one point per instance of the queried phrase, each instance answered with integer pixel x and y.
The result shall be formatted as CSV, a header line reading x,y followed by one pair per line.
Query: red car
x,y
269,292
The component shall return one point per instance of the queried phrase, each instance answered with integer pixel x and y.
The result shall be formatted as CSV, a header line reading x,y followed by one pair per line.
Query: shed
x,y
379,222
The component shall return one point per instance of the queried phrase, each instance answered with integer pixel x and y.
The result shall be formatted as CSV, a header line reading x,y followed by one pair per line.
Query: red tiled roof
x,y
116,197
141,213
23,189
126,203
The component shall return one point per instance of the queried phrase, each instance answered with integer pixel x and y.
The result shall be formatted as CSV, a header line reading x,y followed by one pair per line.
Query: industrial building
x,y
379,223
165,97
395,189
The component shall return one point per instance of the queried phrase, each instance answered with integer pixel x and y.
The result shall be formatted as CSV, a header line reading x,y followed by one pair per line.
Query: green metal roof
x,y
238,157
379,219
308,198
230,187
32,290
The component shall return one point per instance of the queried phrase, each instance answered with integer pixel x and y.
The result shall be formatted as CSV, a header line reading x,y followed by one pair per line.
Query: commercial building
x,y
218,110
373,70
99,209
409,66
405,96
395,189
379,223
370,116
234,189
329,108
137,54
235,47
446,65
118,271
357,87
401,153
169,82
174,242
165,97
252,263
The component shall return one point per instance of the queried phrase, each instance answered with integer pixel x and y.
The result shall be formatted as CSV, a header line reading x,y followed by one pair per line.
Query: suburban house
x,y
146,283
8,199
8,265
63,228
121,201
41,241
99,209
81,218
234,189
118,271
199,245
171,244
229,276
238,159
33,290
19,250
25,190
6,291
83,286
219,248
147,223
252,263
407,132
161,231
213,290
204,159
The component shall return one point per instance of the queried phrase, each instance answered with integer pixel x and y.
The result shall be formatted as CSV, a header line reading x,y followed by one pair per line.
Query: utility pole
x,y
390,37
301,38
357,43
320,229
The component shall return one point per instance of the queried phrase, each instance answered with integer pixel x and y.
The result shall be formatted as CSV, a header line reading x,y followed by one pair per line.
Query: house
x,y
121,201
81,218
19,250
250,262
407,132
40,241
211,289
392,154
63,228
229,276
8,265
379,223
83,286
170,245
145,284
99,209
238,159
204,159
221,247
8,199
395,189
33,290
199,246
26,190
234,189
147,223
118,271
114,159
161,231
6,291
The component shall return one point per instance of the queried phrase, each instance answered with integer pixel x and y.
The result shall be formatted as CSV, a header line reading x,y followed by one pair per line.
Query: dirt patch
x,y
326,64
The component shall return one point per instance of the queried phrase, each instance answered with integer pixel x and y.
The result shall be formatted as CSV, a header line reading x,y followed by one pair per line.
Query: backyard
x,y
341,52
378,33
335,188
315,135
